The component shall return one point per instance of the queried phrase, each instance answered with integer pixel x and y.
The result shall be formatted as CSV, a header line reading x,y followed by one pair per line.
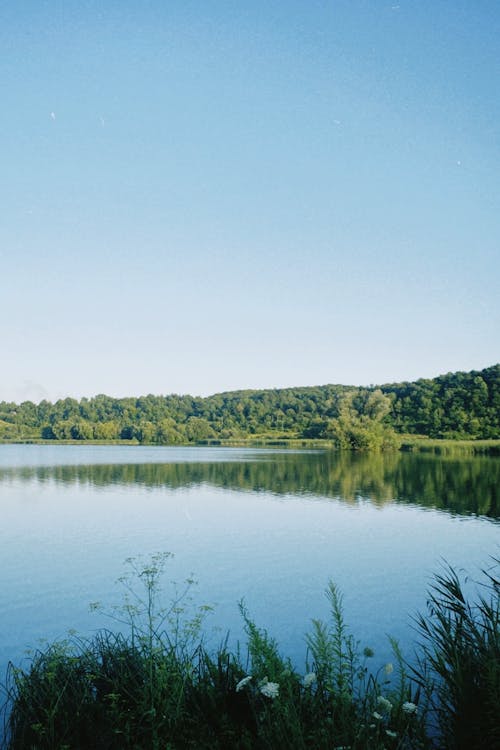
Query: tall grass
x,y
459,660
154,683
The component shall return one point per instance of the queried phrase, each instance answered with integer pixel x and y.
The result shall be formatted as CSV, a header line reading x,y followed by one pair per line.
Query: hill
x,y
461,405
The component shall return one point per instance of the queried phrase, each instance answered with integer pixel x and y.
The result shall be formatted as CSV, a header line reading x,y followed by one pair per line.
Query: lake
x,y
270,526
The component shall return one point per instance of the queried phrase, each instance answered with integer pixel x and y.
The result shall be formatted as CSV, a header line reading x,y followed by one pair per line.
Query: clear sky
x,y
207,196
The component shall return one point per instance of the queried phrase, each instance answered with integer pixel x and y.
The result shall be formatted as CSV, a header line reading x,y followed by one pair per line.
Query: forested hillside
x,y
456,405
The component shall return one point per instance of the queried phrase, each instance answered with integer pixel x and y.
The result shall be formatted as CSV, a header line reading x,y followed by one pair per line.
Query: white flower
x,y
270,689
309,679
409,708
241,684
384,705
388,669
377,716
390,733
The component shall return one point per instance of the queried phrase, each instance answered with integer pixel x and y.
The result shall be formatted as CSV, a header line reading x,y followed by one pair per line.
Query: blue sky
x,y
207,196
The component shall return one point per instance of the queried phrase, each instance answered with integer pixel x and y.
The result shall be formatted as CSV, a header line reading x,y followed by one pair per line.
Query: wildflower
x,y
409,708
377,716
384,705
270,689
368,652
309,679
241,684
388,669
390,733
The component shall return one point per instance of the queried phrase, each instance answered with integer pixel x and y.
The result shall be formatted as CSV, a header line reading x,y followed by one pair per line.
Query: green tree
x,y
81,430
168,432
108,430
360,425
197,429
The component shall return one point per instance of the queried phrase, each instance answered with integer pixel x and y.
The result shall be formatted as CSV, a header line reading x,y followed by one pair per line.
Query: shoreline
x,y
408,443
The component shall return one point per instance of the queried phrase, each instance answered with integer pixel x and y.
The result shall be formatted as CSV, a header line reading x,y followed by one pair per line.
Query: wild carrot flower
x,y
409,708
270,689
384,704
241,684
309,679
390,733
388,669
377,716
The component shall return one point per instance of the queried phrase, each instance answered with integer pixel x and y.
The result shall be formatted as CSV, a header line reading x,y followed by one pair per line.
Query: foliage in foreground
x,y
459,661
157,685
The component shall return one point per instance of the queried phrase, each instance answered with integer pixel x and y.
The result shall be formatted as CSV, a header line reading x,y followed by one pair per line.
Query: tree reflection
x,y
462,485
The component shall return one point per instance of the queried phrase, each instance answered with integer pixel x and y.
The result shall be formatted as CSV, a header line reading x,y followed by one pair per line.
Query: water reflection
x,y
464,485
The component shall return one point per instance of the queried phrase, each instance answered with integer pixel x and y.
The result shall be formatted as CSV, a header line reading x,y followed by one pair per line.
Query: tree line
x,y
461,405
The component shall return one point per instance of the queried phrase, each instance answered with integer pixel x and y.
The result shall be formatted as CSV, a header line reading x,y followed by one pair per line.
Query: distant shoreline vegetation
x,y
454,407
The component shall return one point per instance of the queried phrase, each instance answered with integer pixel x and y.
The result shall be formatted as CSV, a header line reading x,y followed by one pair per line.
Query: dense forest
x,y
457,405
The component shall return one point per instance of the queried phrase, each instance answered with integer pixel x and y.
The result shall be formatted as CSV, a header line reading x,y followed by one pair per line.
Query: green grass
x,y
34,440
459,660
441,446
418,443
154,683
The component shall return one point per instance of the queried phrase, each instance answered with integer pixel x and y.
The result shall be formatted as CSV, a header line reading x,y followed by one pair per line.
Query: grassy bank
x,y
41,441
445,447
418,443
153,682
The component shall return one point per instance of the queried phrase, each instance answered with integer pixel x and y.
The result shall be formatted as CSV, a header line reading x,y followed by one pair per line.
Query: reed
x,y
459,659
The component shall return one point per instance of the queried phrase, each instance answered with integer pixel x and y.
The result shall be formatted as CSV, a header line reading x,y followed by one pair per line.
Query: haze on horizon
x,y
201,198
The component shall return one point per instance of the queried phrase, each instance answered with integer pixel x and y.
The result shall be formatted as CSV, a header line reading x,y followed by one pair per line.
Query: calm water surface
x,y
268,525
